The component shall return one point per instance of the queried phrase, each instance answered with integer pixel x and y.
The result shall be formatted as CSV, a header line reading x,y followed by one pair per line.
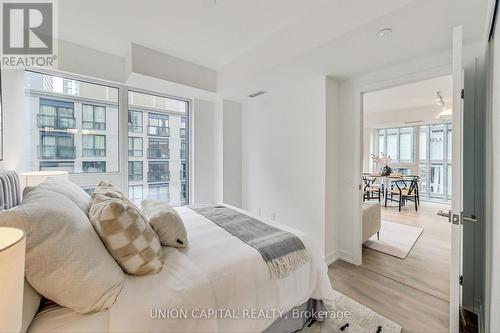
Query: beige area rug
x,y
395,239
360,319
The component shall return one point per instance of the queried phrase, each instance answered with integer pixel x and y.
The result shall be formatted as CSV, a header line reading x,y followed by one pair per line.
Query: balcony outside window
x,y
135,121
135,171
56,114
158,125
158,172
158,149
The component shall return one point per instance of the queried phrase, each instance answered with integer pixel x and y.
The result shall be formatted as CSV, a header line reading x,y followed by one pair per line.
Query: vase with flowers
x,y
385,160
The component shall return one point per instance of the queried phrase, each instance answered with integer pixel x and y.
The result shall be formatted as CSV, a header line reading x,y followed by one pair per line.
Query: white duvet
x,y
218,284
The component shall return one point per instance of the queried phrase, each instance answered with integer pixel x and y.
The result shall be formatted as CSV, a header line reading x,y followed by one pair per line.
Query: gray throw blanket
x,y
282,251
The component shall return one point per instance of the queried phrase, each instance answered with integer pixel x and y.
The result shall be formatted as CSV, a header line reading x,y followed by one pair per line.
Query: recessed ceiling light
x,y
210,3
384,32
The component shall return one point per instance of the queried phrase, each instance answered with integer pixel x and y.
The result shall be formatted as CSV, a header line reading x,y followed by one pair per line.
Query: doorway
x,y
407,246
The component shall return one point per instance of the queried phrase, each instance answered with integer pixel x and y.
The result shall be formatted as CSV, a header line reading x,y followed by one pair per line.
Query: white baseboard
x,y
339,254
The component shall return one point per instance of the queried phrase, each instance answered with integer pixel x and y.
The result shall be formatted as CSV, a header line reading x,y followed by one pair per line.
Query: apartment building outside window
x,y
93,145
93,117
94,166
158,149
135,121
158,125
56,114
166,142
159,192
135,193
135,147
135,171
73,123
56,145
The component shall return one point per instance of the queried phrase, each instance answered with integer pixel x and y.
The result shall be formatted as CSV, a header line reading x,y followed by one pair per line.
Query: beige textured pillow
x,y
70,190
167,223
65,260
126,234
110,190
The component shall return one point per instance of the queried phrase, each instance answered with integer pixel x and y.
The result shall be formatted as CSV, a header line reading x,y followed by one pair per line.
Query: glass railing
x,y
135,177
94,152
93,125
159,153
158,130
158,176
58,122
56,152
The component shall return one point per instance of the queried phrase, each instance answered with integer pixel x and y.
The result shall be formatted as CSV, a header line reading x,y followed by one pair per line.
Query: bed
x,y
217,284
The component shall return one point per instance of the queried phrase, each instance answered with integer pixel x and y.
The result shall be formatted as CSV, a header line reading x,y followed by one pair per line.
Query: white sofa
x,y
371,220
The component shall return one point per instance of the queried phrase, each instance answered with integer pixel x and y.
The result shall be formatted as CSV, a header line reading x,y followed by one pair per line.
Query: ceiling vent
x,y
258,93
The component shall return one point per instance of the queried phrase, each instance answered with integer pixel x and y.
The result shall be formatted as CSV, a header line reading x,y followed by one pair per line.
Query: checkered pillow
x,y
126,234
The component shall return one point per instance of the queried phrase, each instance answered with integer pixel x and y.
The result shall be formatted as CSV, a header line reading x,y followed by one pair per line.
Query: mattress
x,y
217,284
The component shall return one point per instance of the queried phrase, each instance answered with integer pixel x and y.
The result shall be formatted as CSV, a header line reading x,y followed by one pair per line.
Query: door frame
x,y
360,88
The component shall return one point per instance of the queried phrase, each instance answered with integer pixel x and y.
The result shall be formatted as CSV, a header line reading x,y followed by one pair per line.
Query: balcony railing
x,y
135,177
58,122
158,130
158,153
50,152
94,125
158,176
94,152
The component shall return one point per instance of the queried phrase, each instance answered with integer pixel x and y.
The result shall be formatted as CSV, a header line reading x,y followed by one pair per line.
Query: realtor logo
x,y
28,33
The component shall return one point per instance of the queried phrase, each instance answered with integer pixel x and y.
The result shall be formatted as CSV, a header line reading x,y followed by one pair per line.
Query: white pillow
x,y
167,223
65,260
70,190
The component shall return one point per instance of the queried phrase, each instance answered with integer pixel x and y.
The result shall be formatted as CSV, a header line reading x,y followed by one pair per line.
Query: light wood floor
x,y
413,292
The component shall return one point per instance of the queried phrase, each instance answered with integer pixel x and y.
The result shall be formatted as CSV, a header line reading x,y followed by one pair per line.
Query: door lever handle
x,y
443,214
472,219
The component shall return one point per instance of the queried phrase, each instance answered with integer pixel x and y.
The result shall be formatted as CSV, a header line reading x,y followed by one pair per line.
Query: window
x,y
167,122
56,114
183,150
406,144
182,133
158,149
183,193
135,121
158,172
56,146
93,145
93,117
134,147
183,170
94,166
56,103
135,172
435,162
89,189
159,192
158,125
398,143
135,193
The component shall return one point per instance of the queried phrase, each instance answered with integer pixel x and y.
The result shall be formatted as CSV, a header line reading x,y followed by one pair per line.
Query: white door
x,y
457,199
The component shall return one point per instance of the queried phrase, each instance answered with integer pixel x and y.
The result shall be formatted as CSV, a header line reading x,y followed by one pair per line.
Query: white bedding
x,y
218,271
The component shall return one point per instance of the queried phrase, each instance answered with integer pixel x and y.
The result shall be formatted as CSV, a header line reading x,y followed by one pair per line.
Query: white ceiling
x,y
263,44
407,98
183,28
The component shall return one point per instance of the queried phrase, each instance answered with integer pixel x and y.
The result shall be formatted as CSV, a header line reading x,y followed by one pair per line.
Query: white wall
x,y
283,156
232,153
